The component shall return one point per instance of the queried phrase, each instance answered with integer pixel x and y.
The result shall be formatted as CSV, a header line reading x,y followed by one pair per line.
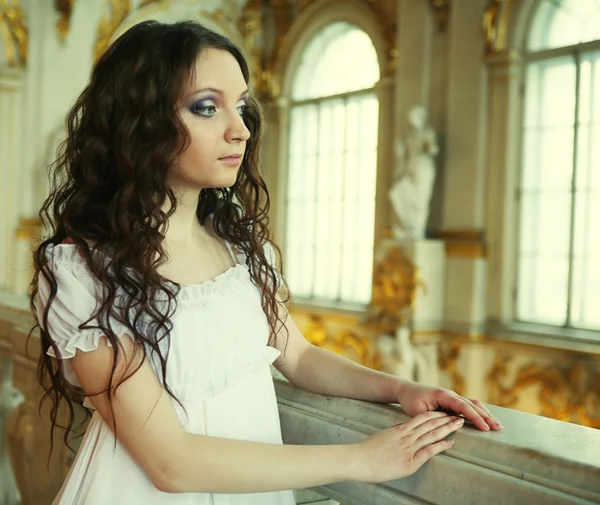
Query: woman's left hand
x,y
416,398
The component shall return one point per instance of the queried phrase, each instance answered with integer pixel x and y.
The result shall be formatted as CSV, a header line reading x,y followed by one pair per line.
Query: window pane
x,y
542,289
560,23
329,63
546,192
334,218
586,248
550,95
560,180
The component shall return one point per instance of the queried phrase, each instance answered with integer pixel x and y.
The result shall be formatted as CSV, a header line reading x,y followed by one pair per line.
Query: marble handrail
x,y
10,399
534,460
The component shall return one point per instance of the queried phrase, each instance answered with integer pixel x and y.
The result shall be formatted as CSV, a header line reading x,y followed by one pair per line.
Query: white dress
x,y
218,368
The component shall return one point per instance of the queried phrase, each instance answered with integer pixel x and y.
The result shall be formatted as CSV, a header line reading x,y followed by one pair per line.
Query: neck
x,y
183,226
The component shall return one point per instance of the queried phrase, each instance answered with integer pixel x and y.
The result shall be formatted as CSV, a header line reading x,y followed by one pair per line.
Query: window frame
x,y
514,324
310,22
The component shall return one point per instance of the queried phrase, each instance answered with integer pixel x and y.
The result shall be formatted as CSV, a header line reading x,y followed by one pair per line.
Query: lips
x,y
232,159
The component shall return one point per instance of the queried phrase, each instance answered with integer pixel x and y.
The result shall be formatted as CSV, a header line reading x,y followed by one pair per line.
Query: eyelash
x,y
204,105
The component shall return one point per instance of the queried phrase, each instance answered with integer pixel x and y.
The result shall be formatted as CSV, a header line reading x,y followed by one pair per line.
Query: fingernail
x,y
459,421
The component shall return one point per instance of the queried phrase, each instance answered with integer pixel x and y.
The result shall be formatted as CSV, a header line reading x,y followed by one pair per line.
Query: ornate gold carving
x,y
251,26
342,342
64,9
395,281
567,391
119,10
448,354
495,25
441,11
14,32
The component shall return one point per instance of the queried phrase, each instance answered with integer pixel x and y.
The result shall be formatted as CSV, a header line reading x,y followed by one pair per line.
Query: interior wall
x,y
431,56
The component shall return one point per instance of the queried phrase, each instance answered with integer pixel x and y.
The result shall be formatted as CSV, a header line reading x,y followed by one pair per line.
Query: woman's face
x,y
211,108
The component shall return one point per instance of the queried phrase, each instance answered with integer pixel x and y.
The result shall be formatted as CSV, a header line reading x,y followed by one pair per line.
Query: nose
x,y
237,130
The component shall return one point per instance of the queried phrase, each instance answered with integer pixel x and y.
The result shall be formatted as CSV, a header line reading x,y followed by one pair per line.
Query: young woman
x,y
156,295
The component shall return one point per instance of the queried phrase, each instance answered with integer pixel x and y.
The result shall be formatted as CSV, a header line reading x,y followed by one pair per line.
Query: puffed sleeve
x,y
77,296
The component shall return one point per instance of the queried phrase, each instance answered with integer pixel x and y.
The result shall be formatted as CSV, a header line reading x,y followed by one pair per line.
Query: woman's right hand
x,y
401,450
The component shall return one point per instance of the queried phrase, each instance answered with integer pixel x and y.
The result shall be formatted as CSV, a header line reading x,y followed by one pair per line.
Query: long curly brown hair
x,y
108,190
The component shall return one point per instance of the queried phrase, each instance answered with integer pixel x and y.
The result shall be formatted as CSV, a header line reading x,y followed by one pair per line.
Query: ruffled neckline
x,y
219,285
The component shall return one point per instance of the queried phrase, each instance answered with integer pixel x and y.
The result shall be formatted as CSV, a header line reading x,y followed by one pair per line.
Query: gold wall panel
x,y
344,336
568,389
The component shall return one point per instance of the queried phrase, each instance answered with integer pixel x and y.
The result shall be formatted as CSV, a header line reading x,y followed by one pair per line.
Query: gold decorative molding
x,y
463,243
395,282
568,391
64,9
342,342
441,11
465,250
29,229
14,32
448,354
495,25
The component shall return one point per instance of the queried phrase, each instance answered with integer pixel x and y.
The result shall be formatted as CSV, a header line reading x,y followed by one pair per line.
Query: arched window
x,y
332,166
558,280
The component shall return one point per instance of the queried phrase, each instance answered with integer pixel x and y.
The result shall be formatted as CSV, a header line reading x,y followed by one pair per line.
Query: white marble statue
x,y
410,194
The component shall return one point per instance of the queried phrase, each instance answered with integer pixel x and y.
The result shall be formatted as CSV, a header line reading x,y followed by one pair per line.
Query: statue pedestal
x,y
429,260
413,277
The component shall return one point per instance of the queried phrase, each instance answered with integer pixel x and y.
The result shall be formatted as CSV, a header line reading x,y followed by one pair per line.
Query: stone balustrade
x,y
534,460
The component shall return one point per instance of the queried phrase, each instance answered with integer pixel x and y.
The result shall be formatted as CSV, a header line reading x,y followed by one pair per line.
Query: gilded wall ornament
x,y
495,25
448,354
119,10
567,391
64,9
344,342
13,29
395,281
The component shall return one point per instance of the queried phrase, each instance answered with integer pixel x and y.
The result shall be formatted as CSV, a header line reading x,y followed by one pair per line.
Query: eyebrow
x,y
216,91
